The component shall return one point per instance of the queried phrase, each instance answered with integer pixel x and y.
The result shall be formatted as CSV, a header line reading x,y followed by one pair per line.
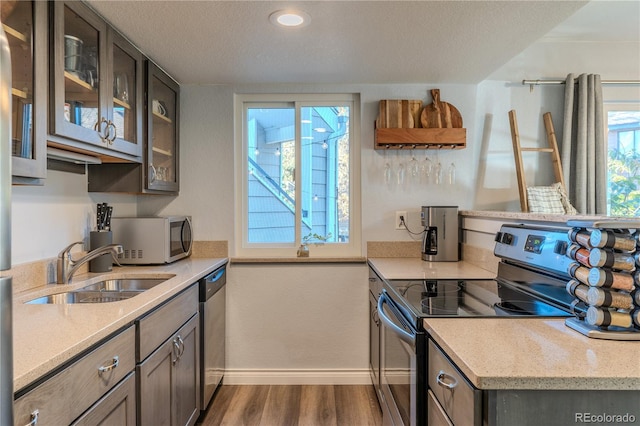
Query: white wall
x,y
45,219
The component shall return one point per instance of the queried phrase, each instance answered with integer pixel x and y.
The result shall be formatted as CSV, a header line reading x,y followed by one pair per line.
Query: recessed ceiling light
x,y
289,18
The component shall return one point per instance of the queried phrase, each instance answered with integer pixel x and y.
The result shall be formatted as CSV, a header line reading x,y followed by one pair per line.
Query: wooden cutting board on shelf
x,y
398,113
440,114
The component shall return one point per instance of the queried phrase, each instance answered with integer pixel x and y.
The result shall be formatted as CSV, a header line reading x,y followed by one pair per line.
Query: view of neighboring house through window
x,y
298,171
624,161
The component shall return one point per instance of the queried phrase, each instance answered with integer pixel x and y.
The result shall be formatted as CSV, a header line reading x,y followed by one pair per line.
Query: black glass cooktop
x,y
465,298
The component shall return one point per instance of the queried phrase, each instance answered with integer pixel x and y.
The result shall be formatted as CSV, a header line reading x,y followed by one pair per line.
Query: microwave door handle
x,y
402,334
186,229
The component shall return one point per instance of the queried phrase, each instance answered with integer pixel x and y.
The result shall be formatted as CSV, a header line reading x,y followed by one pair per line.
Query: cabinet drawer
x,y
154,328
66,395
456,395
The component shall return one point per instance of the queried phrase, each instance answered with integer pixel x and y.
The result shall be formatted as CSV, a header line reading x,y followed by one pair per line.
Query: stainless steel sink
x,y
108,290
83,297
125,284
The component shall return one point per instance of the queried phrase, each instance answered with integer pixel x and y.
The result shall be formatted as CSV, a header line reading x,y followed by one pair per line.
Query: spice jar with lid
x,y
580,236
605,278
608,239
609,259
607,318
610,299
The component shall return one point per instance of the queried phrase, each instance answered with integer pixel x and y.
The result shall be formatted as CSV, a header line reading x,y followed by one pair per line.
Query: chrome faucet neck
x,y
67,266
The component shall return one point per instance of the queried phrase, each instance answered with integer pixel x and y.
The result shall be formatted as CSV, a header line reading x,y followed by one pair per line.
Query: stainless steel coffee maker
x,y
440,238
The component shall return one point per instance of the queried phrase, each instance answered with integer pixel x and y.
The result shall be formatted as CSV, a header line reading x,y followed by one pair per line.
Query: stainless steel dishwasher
x,y
212,333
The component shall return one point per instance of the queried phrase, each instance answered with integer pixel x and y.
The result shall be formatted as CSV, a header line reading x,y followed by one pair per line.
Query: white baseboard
x,y
296,377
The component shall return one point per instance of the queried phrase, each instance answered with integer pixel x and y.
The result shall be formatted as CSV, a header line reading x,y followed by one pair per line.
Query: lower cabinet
x,y
453,400
168,377
169,380
82,386
146,374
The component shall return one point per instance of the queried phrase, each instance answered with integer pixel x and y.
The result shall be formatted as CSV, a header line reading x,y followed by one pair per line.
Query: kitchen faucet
x,y
67,266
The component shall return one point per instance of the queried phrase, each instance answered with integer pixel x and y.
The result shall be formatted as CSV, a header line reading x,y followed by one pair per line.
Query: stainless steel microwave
x,y
152,240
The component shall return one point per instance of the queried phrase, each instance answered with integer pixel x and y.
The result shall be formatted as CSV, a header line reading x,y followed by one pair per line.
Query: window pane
x,y
271,181
624,163
325,173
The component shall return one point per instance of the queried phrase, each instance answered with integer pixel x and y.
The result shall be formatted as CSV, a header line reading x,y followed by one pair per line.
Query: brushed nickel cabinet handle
x,y
105,368
34,418
176,350
181,346
446,381
110,136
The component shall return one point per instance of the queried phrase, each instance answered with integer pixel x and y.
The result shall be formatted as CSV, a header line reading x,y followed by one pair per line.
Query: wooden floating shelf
x,y
418,138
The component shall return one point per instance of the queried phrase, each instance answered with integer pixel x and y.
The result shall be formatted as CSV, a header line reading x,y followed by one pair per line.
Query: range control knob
x,y
560,247
504,238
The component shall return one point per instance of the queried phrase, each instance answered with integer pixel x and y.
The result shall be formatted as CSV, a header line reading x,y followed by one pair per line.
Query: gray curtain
x,y
584,150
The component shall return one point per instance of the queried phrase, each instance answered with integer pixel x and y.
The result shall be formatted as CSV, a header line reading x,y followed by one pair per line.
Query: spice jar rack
x,y
606,278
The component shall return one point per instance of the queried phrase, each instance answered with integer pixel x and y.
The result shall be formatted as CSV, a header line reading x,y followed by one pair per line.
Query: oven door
x,y
398,369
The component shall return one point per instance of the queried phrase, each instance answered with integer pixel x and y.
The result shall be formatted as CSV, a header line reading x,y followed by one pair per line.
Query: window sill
x,y
278,260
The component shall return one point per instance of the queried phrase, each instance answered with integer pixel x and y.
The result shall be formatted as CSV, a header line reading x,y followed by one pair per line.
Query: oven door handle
x,y
402,334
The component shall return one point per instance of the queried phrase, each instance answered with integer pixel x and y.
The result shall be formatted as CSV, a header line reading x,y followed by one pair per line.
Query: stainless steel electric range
x,y
531,280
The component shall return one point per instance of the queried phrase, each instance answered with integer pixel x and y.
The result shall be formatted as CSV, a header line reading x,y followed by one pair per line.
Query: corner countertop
x,y
535,353
532,217
47,336
393,268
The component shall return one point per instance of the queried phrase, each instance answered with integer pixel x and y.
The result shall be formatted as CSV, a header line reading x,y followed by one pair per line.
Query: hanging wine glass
x,y
414,168
437,171
387,168
451,174
426,169
402,170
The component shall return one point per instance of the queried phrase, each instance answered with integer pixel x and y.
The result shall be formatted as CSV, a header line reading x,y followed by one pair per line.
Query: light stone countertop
x,y
533,217
47,336
416,268
535,353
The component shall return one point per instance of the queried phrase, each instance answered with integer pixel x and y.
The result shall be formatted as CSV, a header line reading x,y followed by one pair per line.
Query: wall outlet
x,y
399,221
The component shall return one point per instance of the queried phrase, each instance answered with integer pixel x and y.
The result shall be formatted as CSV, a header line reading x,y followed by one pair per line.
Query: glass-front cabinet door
x,y
96,80
162,137
25,25
124,118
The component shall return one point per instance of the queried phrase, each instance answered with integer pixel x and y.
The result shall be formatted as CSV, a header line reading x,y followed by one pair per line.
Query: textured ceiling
x,y
372,42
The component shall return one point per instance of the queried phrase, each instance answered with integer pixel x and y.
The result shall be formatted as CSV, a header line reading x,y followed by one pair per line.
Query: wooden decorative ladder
x,y
518,150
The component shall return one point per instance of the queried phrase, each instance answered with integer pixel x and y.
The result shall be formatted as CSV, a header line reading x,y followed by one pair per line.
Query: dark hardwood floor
x,y
305,405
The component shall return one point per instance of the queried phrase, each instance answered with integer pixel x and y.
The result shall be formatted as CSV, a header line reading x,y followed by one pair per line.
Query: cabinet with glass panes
x,y
96,86
25,24
159,172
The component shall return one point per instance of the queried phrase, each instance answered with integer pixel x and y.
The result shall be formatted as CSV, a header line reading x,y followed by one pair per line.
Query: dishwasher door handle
x,y
404,335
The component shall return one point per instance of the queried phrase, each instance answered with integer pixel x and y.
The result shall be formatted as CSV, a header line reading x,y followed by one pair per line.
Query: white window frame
x,y
608,106
245,249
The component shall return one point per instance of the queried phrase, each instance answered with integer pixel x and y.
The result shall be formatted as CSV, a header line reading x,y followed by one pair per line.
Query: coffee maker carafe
x,y
440,238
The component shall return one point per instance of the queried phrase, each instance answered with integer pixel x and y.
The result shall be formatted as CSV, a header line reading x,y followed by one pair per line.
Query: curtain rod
x,y
542,82
532,83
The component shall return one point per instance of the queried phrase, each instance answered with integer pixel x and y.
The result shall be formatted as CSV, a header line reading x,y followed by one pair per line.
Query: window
x,y
298,170
623,138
